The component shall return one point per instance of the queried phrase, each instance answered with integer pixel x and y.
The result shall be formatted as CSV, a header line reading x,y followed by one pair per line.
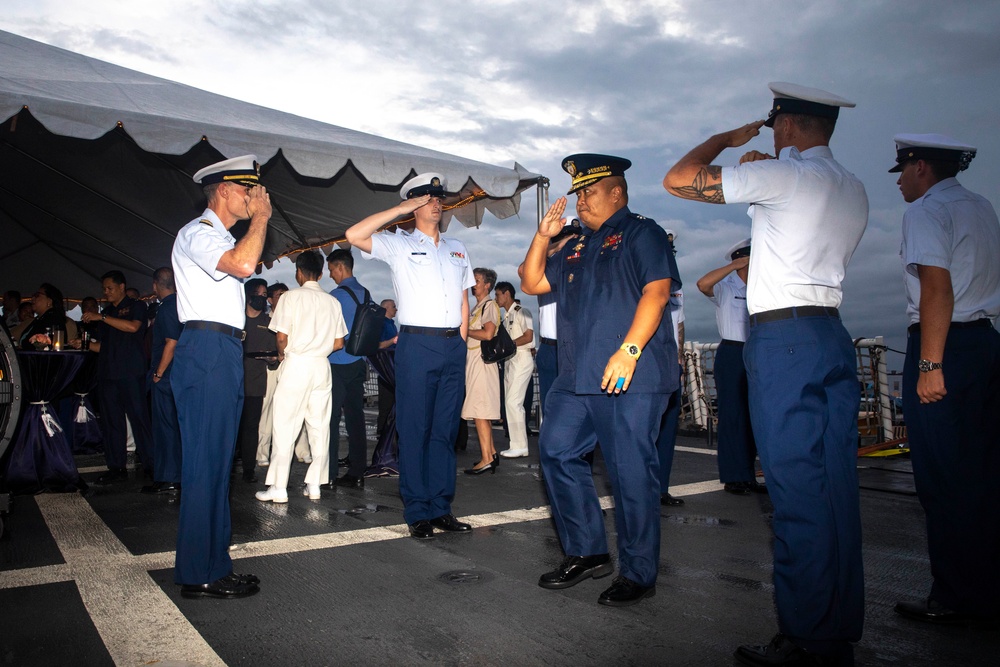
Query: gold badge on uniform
x,y
570,168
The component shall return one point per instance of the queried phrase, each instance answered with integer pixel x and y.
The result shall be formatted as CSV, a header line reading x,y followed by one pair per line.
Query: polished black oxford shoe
x,y
449,523
230,586
624,592
421,530
113,475
931,611
670,501
575,569
350,481
781,651
161,487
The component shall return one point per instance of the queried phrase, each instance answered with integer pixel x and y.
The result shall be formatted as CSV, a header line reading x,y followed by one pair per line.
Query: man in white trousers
x,y
517,370
309,326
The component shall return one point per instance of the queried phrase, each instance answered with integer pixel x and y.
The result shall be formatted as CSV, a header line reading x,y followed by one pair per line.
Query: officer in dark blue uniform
x,y
617,366
207,379
166,431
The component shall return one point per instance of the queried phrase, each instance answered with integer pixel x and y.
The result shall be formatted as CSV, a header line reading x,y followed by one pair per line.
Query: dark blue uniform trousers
x,y
348,394
737,449
804,400
547,363
667,438
955,449
120,398
430,388
207,381
166,434
626,427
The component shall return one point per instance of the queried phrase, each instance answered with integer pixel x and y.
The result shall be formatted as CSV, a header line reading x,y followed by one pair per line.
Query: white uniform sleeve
x,y
926,238
206,246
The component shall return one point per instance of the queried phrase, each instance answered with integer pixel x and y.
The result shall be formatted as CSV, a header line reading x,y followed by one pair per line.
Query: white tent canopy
x,y
96,163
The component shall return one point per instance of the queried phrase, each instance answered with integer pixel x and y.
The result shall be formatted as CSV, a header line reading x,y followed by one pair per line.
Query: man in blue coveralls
x,y
809,214
166,432
207,379
951,377
617,366
431,275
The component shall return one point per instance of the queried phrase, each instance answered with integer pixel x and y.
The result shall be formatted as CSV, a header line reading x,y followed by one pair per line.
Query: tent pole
x,y
542,197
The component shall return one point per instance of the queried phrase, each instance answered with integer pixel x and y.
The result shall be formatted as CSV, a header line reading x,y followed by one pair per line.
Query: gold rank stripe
x,y
600,174
206,221
241,177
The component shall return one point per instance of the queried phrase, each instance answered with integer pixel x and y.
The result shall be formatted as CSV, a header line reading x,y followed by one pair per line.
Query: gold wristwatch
x,y
631,349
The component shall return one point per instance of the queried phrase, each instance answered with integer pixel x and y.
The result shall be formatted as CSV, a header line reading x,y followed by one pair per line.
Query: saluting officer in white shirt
x,y
809,214
431,275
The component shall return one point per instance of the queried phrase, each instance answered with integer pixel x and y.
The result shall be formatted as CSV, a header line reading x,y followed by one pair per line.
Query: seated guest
x,y
50,313
11,302
25,315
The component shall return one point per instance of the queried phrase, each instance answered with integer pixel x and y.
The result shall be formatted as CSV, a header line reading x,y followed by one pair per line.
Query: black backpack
x,y
366,330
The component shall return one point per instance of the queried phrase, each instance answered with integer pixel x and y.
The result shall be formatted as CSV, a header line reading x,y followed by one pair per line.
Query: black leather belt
x,y
983,322
725,342
549,341
792,313
430,331
216,326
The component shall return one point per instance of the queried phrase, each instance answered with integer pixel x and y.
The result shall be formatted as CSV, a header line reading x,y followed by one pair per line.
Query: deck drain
x,y
463,577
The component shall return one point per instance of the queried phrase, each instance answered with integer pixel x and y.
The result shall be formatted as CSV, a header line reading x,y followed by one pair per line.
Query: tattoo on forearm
x,y
706,186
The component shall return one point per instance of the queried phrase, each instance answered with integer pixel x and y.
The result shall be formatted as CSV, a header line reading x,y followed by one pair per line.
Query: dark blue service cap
x,y
588,168
796,99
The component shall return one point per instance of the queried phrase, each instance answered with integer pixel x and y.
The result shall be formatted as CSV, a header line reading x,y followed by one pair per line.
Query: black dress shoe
x,y
151,488
624,592
161,487
781,651
344,462
575,569
671,501
421,530
449,523
113,475
329,486
230,586
350,481
737,488
931,611
247,578
250,479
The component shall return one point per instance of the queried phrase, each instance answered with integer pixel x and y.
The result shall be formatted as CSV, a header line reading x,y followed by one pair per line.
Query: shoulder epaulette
x,y
206,221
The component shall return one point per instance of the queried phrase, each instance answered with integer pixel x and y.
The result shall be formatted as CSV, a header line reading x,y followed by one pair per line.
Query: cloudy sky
x,y
645,79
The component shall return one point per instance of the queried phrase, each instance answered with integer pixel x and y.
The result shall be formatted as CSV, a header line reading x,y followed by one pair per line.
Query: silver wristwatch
x,y
926,366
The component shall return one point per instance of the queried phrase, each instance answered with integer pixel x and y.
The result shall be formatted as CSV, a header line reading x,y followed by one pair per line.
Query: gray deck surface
x,y
87,580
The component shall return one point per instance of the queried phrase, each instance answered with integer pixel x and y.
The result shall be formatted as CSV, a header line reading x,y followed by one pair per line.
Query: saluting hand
x,y
552,224
408,206
259,202
741,135
740,263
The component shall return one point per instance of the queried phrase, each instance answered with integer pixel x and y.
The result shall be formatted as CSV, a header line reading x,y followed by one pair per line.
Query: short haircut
x,y
310,263
276,287
116,276
620,182
385,301
13,295
489,275
251,285
814,124
943,169
341,256
89,300
505,287
210,190
164,277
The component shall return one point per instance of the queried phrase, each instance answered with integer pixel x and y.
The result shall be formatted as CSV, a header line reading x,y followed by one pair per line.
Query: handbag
x,y
366,329
499,348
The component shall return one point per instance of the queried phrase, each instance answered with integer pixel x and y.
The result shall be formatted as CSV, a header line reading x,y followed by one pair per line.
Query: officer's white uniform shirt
x,y
203,292
730,298
533,345
312,320
954,229
809,214
547,319
676,307
429,280
516,321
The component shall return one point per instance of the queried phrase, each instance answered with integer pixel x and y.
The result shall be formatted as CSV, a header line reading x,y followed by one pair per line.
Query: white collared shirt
x,y
311,318
516,321
730,298
204,292
809,214
954,229
676,307
430,281
547,315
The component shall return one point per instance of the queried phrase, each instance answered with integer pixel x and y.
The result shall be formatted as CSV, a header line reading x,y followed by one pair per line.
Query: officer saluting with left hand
x,y
207,379
617,366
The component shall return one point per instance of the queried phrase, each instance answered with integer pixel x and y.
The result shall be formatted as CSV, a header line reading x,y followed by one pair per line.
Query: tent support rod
x,y
288,220
92,191
542,198
71,226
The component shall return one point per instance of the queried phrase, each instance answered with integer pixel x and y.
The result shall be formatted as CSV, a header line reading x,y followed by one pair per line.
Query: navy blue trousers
x,y
737,449
166,434
626,426
207,381
666,440
804,400
547,363
430,388
120,398
955,449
